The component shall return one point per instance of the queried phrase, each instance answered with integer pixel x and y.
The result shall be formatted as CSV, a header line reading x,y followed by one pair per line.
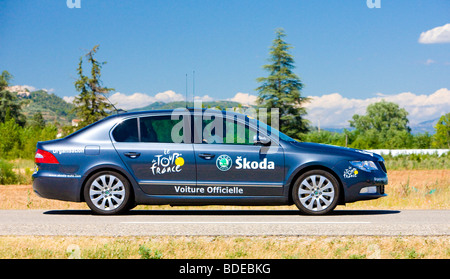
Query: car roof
x,y
168,111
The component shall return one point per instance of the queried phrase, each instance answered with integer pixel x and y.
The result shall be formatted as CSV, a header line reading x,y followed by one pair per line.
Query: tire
x,y
108,193
316,192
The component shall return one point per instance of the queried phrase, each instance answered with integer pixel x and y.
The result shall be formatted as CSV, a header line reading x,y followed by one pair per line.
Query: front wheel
x,y
316,192
108,193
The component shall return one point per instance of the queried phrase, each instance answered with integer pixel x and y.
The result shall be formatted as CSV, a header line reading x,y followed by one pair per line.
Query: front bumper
x,y
368,186
362,185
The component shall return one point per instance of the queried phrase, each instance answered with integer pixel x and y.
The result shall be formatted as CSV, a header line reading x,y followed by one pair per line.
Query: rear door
x,y
160,159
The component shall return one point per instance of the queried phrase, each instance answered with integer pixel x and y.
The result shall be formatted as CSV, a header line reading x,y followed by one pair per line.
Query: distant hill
x,y
182,104
425,126
420,128
52,107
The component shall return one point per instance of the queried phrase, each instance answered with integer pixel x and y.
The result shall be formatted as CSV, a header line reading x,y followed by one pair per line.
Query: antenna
x,y
186,92
193,86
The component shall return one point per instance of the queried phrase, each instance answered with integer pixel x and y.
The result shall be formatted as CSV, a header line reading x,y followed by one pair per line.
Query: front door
x,y
234,165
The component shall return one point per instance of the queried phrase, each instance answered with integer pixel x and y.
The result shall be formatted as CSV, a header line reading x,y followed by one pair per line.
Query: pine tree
x,y
91,103
282,89
10,105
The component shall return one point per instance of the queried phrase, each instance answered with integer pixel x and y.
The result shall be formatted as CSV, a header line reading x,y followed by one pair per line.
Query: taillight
x,y
45,157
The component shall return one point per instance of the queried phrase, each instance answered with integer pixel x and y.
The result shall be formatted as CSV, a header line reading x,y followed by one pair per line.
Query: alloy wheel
x,y
107,192
316,193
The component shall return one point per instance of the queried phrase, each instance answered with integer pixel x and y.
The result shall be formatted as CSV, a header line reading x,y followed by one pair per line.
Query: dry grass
x,y
407,189
171,247
413,189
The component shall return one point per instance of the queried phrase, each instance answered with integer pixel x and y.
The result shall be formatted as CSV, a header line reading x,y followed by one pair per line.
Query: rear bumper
x,y
62,187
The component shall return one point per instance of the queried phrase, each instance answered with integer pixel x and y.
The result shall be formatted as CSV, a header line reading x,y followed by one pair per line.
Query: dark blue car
x,y
201,157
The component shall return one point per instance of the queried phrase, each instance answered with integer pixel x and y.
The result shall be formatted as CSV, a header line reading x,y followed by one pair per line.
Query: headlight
x,y
364,165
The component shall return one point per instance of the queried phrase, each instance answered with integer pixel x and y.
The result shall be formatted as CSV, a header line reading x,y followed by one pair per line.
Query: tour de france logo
x,y
224,162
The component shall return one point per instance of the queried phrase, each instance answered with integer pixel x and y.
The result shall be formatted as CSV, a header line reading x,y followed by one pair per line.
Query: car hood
x,y
357,154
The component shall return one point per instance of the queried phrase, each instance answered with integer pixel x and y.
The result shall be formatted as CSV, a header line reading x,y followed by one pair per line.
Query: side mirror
x,y
261,139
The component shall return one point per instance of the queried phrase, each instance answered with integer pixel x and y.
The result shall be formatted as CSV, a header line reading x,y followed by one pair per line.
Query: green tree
x,y
282,89
5,78
91,103
385,125
442,135
383,117
38,120
10,139
30,135
10,106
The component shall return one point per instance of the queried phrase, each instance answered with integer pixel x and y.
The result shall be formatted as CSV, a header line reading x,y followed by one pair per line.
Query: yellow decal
x,y
179,161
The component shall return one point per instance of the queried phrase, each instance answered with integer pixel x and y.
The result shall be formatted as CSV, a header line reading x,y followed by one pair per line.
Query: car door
x,y
228,161
159,163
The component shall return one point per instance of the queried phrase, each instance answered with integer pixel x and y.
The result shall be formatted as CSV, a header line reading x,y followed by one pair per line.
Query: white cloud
x,y
168,96
440,34
429,62
244,98
131,101
334,110
49,90
205,98
138,100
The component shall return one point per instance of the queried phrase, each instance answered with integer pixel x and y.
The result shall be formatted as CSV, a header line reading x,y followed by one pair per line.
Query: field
x,y
407,189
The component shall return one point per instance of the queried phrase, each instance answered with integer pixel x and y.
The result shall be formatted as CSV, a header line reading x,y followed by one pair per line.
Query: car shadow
x,y
226,212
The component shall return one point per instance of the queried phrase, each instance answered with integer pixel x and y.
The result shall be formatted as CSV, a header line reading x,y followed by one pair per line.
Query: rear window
x,y
127,131
160,128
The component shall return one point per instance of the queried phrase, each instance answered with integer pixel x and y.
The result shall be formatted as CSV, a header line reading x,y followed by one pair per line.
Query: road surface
x,y
225,223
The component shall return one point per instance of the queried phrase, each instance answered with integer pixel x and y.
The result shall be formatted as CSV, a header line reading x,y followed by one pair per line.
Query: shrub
x,y
7,175
147,253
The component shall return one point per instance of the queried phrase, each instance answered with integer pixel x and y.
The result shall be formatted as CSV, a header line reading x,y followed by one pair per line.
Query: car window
x,y
159,129
226,131
127,131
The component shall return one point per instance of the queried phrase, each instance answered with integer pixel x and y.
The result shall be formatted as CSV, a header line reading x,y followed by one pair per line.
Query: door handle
x,y
132,155
206,156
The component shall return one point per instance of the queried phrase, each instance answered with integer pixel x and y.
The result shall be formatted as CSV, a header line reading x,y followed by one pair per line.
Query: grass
x,y
180,247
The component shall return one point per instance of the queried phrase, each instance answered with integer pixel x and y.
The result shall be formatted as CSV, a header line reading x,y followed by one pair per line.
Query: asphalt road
x,y
225,223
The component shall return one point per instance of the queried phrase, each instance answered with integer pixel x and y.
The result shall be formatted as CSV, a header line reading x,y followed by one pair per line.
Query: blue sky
x,y
340,47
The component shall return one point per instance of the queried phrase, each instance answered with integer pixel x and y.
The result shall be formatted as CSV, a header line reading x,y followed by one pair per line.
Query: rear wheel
x,y
316,192
108,193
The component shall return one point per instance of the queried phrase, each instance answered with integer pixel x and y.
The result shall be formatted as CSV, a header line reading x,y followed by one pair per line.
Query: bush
x,y
417,161
7,175
147,253
20,142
